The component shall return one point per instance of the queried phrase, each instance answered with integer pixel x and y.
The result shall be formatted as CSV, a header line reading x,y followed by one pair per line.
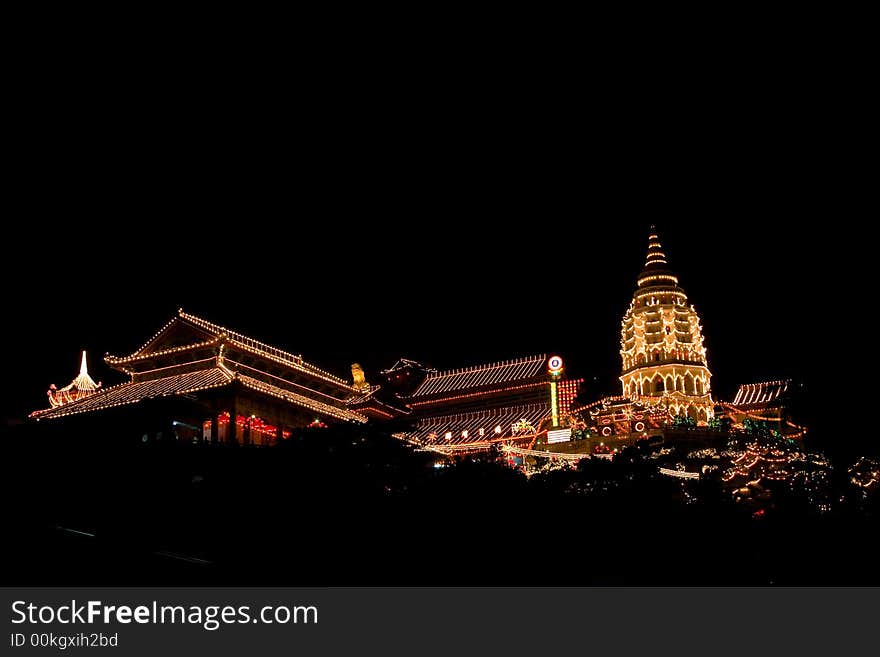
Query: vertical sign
x,y
554,368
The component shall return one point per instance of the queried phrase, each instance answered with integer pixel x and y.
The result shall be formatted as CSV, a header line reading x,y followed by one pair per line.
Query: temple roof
x,y
130,393
206,334
481,375
179,384
761,393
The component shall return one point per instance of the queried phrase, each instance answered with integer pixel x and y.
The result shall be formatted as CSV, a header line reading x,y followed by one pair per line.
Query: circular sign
x,y
554,365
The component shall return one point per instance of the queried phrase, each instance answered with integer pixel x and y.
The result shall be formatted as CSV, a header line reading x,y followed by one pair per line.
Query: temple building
x,y
205,383
471,409
213,385
201,382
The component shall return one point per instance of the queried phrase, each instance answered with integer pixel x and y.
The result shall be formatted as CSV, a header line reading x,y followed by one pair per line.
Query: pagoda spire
x,y
655,249
655,272
81,386
84,382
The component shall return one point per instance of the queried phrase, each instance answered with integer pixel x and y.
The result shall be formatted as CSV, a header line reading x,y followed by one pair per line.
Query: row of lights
x,y
540,358
79,407
116,360
301,400
266,350
430,385
478,394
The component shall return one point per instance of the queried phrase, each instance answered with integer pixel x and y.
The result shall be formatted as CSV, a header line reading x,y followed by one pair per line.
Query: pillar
x,y
232,432
215,428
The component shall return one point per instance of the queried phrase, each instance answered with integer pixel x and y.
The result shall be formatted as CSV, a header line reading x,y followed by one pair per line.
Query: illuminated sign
x,y
554,367
560,436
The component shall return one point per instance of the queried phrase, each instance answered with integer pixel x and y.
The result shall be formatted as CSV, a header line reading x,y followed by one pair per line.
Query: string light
x,y
138,356
82,386
474,395
300,400
482,375
131,392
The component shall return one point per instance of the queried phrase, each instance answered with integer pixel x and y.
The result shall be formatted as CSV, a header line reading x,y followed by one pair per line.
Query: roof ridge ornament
x,y
81,386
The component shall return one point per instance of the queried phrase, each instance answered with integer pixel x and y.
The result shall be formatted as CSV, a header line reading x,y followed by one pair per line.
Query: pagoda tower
x,y
661,344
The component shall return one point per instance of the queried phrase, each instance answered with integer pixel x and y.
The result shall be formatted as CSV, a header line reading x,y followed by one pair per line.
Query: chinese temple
x,y
473,408
229,388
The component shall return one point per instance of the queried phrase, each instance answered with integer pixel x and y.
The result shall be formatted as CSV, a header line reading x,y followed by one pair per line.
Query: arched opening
x,y
658,387
688,384
692,412
679,383
701,415
699,385
670,383
640,359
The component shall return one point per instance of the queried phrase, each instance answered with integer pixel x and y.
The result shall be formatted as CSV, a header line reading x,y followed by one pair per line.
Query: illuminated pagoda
x,y
665,372
218,386
81,387
473,408
662,344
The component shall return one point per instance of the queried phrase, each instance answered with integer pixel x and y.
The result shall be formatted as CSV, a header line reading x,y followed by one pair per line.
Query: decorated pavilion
x,y
228,388
471,409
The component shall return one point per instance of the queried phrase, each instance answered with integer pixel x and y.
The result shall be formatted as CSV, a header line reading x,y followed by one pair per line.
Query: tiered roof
x,y
190,354
215,334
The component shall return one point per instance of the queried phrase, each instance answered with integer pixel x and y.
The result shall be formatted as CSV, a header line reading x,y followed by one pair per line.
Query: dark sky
x,y
448,230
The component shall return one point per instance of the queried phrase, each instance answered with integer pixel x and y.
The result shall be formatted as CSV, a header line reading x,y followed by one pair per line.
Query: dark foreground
x,y
355,507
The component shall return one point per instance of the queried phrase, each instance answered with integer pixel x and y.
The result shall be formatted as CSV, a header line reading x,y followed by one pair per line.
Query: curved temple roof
x,y
217,332
179,384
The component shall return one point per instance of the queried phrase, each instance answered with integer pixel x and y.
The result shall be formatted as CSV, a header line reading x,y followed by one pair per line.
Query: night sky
x,y
452,236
